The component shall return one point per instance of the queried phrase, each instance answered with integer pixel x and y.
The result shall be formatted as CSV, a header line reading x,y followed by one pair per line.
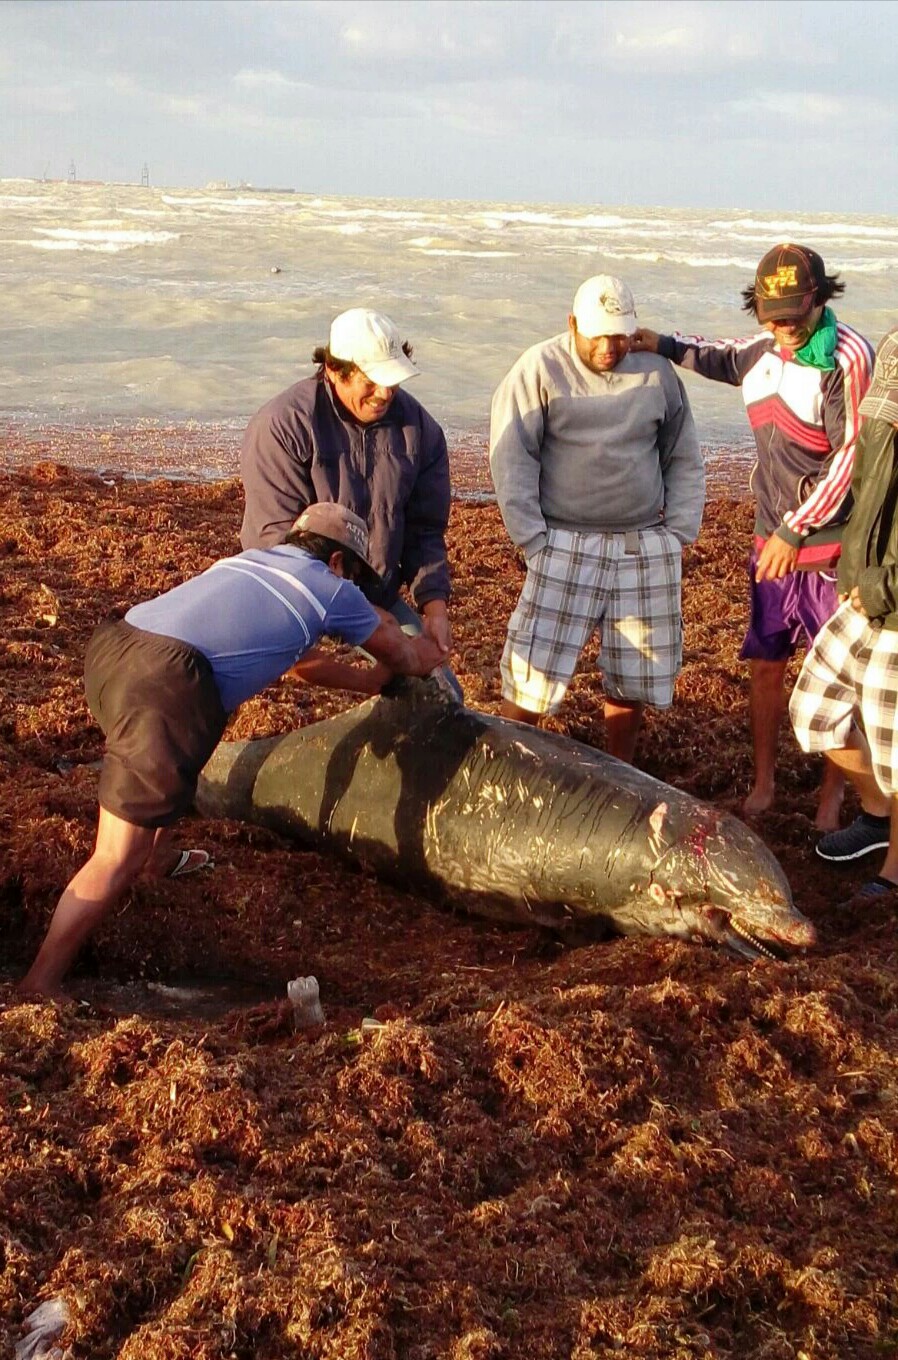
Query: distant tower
x,y
145,176
73,175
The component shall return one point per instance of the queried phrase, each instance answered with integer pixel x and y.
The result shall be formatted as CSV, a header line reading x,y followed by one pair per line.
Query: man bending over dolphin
x,y
600,482
162,682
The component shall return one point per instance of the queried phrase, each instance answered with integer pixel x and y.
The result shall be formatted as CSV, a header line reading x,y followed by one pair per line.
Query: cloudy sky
x,y
773,104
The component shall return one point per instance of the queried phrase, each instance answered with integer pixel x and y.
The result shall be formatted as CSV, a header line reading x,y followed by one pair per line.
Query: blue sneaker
x,y
870,892
865,834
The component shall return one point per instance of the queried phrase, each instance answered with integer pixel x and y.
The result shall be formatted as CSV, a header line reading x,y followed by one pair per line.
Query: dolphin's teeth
x,y
752,940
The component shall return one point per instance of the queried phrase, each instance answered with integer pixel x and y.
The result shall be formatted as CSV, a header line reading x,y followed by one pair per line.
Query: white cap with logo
x,y
604,306
371,342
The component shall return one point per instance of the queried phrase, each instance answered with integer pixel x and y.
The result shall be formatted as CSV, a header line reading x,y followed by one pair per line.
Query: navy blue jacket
x,y
304,446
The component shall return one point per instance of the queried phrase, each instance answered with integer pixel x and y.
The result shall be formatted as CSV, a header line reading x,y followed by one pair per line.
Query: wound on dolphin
x,y
510,823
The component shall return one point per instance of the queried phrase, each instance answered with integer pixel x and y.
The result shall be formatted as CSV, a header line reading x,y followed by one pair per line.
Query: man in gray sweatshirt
x,y
600,482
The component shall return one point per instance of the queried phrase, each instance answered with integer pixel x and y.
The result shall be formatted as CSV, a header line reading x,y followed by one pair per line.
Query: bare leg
x,y
163,856
766,706
889,869
623,719
119,855
829,802
854,760
509,710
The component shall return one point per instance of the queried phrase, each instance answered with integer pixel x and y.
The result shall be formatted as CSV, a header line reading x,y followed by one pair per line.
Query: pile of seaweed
x,y
633,1147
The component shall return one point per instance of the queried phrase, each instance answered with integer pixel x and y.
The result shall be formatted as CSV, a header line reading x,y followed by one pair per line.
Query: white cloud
x,y
35,98
186,106
665,39
801,106
456,36
811,108
272,82
701,35
121,83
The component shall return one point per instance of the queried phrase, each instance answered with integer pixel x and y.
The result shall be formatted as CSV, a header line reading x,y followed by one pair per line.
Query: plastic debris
x,y
48,1321
304,998
49,606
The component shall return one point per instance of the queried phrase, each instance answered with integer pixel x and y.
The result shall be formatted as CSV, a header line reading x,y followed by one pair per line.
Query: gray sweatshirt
x,y
610,452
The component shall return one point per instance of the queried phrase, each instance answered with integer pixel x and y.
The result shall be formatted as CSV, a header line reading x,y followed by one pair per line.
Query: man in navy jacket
x,y
351,433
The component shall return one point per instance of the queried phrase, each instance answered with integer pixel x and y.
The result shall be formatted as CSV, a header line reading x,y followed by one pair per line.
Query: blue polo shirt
x,y
254,615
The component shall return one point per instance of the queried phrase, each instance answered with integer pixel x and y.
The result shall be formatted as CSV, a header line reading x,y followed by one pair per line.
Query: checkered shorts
x,y
852,668
628,585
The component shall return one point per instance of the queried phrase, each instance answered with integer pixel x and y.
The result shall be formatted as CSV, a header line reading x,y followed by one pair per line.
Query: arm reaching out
x,y
404,655
317,668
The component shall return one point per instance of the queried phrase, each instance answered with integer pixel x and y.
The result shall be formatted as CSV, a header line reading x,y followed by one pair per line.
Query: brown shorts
x,y
157,702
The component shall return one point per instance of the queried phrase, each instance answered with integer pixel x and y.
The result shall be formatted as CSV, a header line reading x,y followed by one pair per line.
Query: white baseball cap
x,y
371,342
604,306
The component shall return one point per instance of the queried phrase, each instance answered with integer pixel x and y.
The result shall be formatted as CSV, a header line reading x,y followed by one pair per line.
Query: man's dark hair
x,y
344,368
830,287
322,549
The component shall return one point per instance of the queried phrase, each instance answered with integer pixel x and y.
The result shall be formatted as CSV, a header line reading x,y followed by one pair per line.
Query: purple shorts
x,y
786,612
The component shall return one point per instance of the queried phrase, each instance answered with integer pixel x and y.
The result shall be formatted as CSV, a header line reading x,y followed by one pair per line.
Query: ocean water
x,y
126,305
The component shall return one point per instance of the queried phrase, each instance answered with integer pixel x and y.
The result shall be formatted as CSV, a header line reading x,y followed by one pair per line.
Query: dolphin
x,y
511,823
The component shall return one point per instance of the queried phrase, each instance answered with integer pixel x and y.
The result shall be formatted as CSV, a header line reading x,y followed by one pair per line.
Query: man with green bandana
x,y
802,379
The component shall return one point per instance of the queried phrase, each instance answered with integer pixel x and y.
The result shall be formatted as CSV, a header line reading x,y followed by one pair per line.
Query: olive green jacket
x,y
870,543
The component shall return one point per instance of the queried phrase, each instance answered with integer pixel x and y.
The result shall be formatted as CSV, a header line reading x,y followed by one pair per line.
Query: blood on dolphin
x,y
509,822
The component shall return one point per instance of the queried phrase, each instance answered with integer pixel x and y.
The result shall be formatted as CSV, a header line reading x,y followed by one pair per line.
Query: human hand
x,y
435,622
855,598
429,654
378,675
643,339
776,560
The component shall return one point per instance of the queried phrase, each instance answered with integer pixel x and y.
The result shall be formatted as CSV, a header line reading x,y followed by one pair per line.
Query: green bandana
x,y
820,350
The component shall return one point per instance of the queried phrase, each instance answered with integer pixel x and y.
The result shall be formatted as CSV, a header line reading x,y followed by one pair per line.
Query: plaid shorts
x,y
628,585
852,668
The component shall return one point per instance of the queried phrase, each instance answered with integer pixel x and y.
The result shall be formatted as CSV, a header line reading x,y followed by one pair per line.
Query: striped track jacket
x,y
805,422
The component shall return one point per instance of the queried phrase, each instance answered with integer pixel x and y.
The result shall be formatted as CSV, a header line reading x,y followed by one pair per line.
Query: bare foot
x,y
176,863
759,800
34,991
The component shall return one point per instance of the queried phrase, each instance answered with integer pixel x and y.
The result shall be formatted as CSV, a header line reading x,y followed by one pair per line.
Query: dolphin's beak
x,y
746,946
749,944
